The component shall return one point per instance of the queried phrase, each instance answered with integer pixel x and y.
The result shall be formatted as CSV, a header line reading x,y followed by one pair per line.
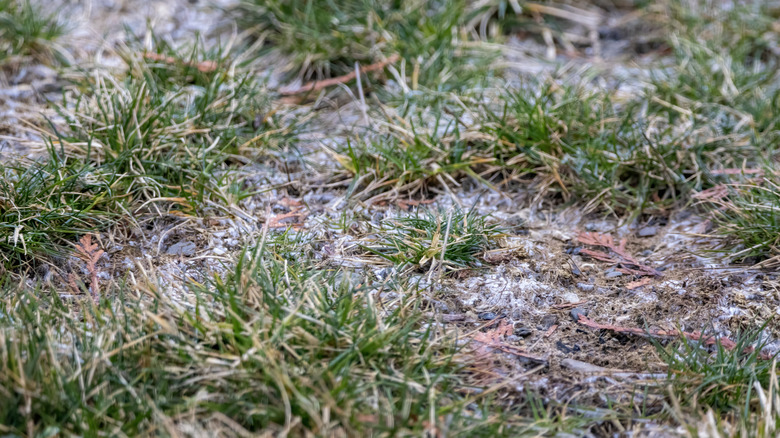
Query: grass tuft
x,y
738,386
323,39
172,124
43,206
25,30
451,239
274,346
747,215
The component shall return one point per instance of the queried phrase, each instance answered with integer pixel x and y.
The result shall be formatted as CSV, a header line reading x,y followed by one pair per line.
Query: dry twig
x,y
320,85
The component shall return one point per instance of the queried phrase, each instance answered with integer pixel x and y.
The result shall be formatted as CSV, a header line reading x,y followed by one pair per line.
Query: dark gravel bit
x,y
521,330
566,349
547,322
487,316
577,312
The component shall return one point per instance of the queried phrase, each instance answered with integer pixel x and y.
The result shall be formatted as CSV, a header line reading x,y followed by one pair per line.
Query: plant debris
x,y
628,264
316,86
725,342
89,252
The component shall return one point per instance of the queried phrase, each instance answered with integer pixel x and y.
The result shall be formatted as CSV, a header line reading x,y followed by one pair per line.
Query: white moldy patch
x,y
505,291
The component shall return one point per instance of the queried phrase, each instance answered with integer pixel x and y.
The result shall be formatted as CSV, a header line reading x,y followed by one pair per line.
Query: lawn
x,y
407,218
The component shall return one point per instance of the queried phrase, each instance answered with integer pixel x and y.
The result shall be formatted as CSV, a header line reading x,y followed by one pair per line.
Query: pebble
x,y
487,316
570,297
547,322
648,231
614,274
577,312
521,330
582,367
586,287
183,248
566,349
559,235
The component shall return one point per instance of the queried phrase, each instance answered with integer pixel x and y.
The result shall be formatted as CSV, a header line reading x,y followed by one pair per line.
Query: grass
x,y
275,345
271,347
27,31
738,387
725,88
322,38
448,240
585,145
168,127
417,152
43,206
283,343
693,124
746,215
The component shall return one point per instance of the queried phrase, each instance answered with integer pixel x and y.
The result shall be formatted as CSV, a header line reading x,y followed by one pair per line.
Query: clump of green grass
x,y
25,30
737,385
427,146
323,38
170,125
584,144
43,206
450,240
724,87
273,347
747,215
745,32
588,144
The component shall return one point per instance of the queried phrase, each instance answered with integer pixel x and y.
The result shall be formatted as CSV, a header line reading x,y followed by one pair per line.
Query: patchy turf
x,y
449,218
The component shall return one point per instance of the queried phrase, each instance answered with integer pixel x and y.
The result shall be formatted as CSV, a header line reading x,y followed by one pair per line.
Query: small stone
x,y
548,321
577,312
184,248
559,235
647,231
566,349
570,297
582,367
487,316
515,220
614,274
521,330
585,286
